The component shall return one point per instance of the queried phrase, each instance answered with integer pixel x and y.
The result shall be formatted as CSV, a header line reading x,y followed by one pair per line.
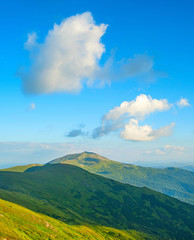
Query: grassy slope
x,y
20,168
17,222
75,196
174,182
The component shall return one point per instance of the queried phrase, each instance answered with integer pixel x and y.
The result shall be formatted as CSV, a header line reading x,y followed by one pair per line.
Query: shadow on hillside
x,y
33,169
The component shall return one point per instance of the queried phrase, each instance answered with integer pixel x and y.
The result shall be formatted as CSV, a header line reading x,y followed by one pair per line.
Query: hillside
x,y
75,196
174,182
20,223
20,168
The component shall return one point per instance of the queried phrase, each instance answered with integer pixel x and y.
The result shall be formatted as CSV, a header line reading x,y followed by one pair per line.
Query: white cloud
x,y
140,107
183,102
159,152
32,106
68,57
125,118
132,131
170,147
167,149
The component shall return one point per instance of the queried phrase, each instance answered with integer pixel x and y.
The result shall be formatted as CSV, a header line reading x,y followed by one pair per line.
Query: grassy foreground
x,y
17,222
77,197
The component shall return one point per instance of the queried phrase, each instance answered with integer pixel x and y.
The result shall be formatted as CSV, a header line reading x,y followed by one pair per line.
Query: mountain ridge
x,y
75,196
172,181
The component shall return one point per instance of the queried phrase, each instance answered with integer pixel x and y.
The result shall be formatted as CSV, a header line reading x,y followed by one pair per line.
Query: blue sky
x,y
140,52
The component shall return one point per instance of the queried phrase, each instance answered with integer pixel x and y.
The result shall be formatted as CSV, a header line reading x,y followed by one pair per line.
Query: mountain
x,y
77,197
20,223
174,182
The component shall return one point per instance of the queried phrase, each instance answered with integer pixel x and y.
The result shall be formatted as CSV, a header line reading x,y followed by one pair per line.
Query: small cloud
x,y
75,133
170,147
155,152
32,106
166,150
31,41
183,102
159,152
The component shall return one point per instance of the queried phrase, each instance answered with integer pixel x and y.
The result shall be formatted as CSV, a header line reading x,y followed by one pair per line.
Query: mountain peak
x,y
168,179
85,158
89,152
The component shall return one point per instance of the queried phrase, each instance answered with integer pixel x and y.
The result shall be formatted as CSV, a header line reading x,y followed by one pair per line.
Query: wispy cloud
x,y
167,149
173,148
75,133
139,67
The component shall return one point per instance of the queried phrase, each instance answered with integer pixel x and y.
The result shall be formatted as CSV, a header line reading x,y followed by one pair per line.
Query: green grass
x,y
174,182
20,168
77,197
20,223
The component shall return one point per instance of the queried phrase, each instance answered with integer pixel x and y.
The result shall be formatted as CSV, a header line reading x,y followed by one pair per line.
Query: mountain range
x,y
174,182
63,201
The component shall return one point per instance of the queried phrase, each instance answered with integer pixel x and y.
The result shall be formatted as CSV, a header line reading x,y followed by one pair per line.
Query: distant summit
x,y
84,158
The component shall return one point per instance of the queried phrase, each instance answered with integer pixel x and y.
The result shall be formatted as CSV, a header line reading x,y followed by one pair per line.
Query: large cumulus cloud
x,y
70,57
